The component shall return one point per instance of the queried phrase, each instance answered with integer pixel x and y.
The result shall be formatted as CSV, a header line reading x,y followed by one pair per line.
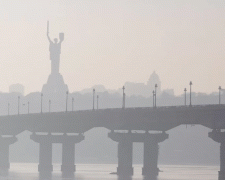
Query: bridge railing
x,y
159,108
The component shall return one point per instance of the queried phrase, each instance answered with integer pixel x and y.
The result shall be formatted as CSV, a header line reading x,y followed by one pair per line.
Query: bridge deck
x,y
159,119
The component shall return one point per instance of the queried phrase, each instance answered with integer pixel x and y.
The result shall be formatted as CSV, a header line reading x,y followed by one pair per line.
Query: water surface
x,y
28,171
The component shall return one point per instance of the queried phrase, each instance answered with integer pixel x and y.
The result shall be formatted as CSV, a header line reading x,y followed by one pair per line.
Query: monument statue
x,y
55,51
55,83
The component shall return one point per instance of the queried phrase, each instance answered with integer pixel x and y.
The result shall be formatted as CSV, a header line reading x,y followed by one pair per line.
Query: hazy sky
x,y
110,42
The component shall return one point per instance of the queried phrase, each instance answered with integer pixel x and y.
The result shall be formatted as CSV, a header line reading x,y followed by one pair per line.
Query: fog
x,y
151,48
111,42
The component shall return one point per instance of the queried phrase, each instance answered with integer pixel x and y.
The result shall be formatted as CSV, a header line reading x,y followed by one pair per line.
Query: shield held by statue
x,y
61,36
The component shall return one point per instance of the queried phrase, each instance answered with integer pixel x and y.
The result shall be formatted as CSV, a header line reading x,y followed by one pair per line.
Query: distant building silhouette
x,y
154,79
135,89
98,88
141,89
18,88
138,89
169,91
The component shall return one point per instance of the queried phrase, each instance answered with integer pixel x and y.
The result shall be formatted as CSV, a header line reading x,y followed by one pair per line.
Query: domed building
x,y
154,79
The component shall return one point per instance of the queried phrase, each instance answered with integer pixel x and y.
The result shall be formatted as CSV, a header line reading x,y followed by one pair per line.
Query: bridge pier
x,y
4,151
125,153
151,150
45,152
219,137
125,146
68,153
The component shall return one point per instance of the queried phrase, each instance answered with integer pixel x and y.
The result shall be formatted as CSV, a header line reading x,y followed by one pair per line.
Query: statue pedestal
x,y
55,84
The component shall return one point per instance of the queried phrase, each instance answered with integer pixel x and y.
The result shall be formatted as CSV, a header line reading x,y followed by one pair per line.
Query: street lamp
x,y
18,105
93,99
123,105
8,108
220,94
72,103
28,107
41,101
49,105
190,91
155,93
185,98
97,101
66,99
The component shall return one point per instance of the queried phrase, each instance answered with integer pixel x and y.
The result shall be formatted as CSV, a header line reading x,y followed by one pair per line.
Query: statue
x,y
55,83
55,51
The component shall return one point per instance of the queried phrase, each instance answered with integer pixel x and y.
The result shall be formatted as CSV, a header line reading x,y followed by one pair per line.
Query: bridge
x,y
67,128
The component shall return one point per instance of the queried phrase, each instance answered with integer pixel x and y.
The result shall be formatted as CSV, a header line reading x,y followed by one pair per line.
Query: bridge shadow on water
x,y
48,175
150,178
4,172
45,175
66,176
130,178
124,178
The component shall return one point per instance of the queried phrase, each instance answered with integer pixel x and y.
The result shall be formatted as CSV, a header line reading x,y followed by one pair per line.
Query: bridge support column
x,y
151,150
68,152
68,157
125,153
220,138
45,152
125,149
4,151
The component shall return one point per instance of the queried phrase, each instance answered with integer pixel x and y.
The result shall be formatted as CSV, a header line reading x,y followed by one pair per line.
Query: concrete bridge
x,y
121,122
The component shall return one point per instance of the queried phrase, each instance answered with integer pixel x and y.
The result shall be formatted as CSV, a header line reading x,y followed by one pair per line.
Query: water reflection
x,y
49,176
46,175
28,171
68,175
124,178
149,178
130,178
4,172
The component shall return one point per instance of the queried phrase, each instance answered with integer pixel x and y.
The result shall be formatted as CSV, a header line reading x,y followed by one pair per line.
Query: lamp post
x,y
219,94
93,99
185,96
8,108
155,93
123,105
153,100
66,99
28,107
49,105
41,101
72,103
18,105
190,92
97,101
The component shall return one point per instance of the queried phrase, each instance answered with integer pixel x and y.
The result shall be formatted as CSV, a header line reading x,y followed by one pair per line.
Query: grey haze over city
x,y
112,42
116,89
